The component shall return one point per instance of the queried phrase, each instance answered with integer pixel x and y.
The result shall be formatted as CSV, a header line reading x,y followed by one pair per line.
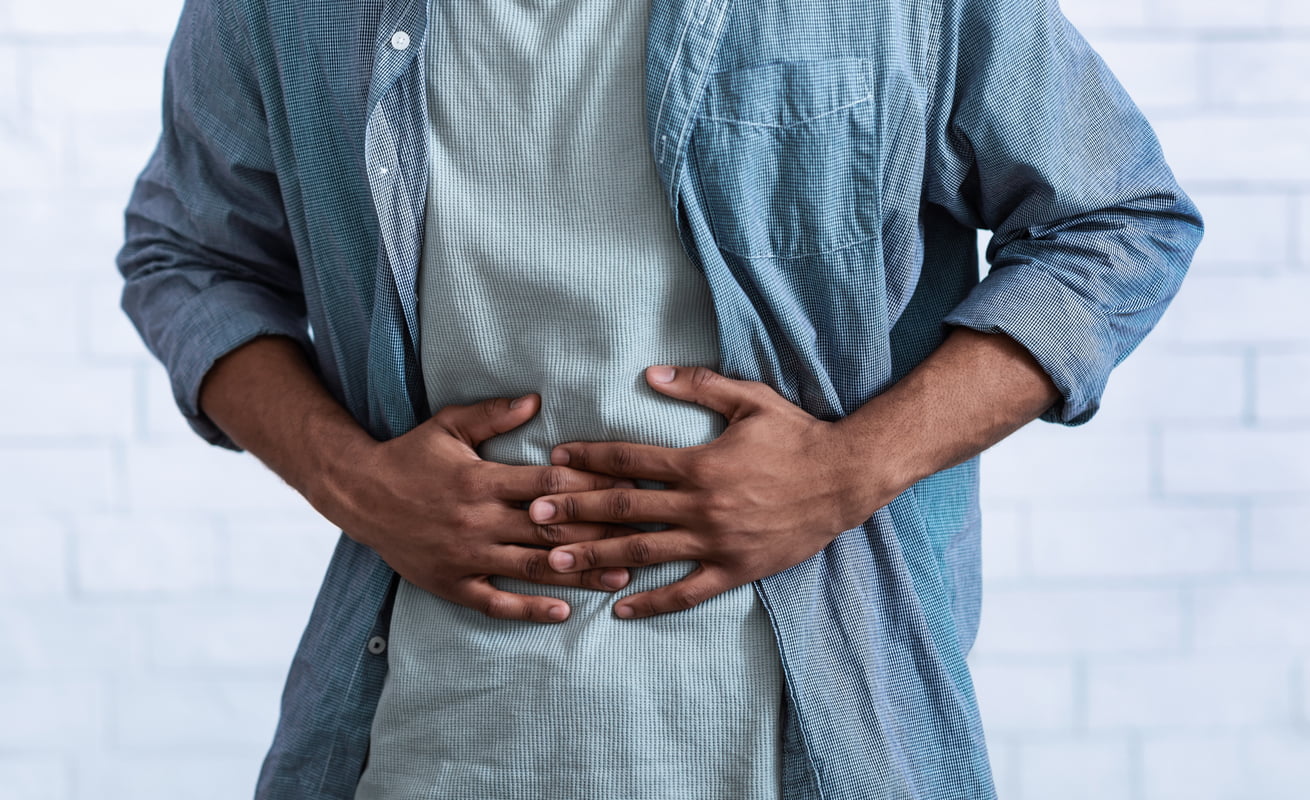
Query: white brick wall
x,y
1146,632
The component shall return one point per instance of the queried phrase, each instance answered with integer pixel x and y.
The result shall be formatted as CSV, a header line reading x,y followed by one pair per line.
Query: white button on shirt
x,y
400,40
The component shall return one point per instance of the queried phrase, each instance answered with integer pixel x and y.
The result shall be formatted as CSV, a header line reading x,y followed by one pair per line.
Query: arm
x,y
1029,135
779,484
212,283
438,514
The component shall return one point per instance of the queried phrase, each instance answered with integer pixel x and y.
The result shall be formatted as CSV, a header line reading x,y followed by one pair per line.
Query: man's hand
x,y
772,490
778,484
448,521
438,514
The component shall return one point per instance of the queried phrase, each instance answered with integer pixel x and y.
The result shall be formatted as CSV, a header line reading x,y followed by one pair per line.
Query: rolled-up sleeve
x,y
208,263
1032,137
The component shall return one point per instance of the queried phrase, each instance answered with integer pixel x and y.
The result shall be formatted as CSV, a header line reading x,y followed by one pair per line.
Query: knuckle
x,y
619,504
551,534
623,457
685,597
702,376
534,567
497,606
639,551
553,480
493,408
588,556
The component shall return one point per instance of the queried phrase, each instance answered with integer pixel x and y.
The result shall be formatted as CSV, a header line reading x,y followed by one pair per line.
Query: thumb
x,y
475,423
733,399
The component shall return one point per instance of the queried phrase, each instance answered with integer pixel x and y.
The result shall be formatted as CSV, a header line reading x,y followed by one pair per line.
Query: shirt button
x,y
377,645
400,40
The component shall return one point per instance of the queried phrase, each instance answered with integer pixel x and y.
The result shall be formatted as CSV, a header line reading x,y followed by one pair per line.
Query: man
x,y
728,358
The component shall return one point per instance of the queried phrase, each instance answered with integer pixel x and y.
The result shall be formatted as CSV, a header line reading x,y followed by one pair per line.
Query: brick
x,y
1189,767
72,639
157,17
108,149
1292,13
1094,15
59,714
68,81
1266,147
1282,392
1157,384
1301,234
32,777
33,557
1259,73
1270,766
164,422
39,219
1244,233
150,777
1076,769
34,478
1004,541
1156,74
1213,13
105,331
199,477
33,158
1003,753
1024,697
31,323
1280,538
1262,616
226,636
1045,461
1236,462
1060,621
279,554
1188,692
66,398
198,715
1134,541
146,553
12,101
1231,309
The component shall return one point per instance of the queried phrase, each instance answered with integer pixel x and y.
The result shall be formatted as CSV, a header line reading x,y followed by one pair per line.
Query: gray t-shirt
x,y
552,264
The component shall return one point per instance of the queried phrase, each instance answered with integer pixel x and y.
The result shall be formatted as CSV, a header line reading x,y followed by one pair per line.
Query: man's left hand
x,y
772,490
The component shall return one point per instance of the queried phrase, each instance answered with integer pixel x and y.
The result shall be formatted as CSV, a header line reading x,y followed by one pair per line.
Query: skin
x,y
772,490
778,484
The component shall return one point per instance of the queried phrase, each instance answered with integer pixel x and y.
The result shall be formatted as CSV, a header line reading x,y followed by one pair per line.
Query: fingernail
x,y
662,374
624,484
614,578
541,510
559,456
623,612
561,560
518,401
558,613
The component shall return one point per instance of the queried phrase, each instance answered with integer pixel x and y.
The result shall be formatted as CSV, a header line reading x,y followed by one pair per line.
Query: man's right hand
x,y
442,517
447,521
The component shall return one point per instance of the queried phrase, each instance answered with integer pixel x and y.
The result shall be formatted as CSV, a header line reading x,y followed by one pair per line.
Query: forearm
x,y
267,398
973,391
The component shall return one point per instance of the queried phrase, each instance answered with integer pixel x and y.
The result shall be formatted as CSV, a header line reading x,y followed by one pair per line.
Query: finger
x,y
734,399
700,585
525,531
624,459
612,505
516,483
479,595
477,422
637,550
529,564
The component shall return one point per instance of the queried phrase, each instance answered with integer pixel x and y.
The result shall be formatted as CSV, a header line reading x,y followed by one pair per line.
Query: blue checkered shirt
x,y
828,164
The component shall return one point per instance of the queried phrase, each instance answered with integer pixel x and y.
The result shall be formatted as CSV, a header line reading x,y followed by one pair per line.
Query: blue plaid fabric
x,y
828,163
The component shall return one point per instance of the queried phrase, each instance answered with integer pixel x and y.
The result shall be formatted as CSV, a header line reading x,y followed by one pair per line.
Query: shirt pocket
x,y
784,153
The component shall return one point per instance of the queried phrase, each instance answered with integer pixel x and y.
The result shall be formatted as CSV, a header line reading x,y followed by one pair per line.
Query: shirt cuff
x,y
1071,338
211,324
